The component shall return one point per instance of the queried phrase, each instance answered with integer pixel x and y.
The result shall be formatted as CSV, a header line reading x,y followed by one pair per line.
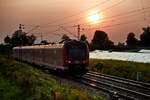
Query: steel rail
x,y
120,90
120,80
147,85
127,97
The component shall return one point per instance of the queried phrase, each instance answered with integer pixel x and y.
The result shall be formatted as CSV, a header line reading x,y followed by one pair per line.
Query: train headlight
x,y
68,61
84,61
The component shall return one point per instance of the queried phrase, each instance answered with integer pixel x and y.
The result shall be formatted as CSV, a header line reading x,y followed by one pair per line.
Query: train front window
x,y
76,53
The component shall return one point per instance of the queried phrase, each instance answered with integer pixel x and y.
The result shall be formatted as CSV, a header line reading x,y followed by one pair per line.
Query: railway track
x,y
115,87
122,80
119,87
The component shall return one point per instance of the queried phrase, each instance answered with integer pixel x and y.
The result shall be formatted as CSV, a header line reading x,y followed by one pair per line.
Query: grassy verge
x,y
9,90
37,85
124,69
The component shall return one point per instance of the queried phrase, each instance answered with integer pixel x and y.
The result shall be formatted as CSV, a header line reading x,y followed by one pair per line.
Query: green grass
x,y
119,68
37,85
9,90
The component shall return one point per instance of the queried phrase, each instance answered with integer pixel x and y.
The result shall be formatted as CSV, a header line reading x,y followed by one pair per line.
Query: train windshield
x,y
77,53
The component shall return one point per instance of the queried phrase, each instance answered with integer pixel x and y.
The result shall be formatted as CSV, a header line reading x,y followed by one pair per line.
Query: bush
x,y
98,66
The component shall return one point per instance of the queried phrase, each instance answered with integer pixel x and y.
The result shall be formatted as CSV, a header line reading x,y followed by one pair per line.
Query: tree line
x,y
144,38
100,40
20,38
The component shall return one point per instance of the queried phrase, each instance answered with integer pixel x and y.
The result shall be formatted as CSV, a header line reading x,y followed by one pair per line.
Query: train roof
x,y
67,44
75,42
40,46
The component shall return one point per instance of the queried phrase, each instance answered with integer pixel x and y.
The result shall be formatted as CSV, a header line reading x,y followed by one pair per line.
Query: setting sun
x,y
94,18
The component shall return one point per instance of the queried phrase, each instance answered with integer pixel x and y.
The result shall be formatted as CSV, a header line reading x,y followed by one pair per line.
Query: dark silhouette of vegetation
x,y
5,49
101,41
20,38
84,39
7,39
44,42
121,44
131,40
145,37
65,38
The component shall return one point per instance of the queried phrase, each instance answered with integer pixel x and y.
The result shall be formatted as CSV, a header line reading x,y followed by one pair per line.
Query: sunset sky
x,y
116,17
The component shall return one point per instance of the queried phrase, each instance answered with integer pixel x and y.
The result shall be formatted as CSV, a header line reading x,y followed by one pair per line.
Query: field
x,y
126,69
20,81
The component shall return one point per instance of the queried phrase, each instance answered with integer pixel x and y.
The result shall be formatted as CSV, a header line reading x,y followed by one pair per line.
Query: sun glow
x,y
94,18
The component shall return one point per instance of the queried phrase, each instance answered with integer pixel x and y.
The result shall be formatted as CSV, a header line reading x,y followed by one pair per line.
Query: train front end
x,y
76,57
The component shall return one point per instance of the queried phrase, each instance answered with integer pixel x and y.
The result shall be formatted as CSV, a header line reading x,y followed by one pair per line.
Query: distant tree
x,y
20,38
131,40
44,42
120,47
7,40
84,39
101,41
64,38
121,44
109,44
145,37
16,39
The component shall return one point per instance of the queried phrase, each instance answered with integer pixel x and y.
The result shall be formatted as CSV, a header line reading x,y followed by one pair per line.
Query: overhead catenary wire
x,y
115,16
134,12
130,13
107,8
117,24
80,12
63,28
33,29
142,7
104,9
121,16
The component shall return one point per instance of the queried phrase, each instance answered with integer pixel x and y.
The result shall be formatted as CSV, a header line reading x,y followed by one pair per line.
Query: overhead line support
x,y
78,28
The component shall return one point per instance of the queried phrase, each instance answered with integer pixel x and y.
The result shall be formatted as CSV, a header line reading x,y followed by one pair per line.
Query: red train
x,y
71,56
